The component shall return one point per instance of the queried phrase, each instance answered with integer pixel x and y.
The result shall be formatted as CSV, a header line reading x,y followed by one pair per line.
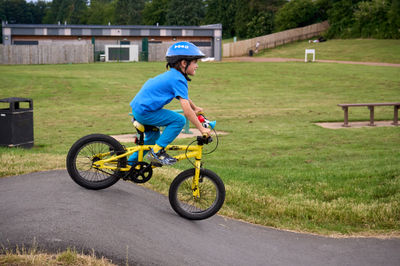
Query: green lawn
x,y
280,169
367,50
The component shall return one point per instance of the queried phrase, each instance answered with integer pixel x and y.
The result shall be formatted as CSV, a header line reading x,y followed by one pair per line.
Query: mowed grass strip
x,y
280,169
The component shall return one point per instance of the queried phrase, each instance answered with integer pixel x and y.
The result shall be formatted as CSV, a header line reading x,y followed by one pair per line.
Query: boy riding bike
x,y
147,105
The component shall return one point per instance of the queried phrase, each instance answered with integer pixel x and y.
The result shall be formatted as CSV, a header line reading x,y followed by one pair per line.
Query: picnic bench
x,y
371,107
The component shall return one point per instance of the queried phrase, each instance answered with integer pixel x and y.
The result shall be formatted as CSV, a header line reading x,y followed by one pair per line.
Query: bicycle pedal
x,y
156,164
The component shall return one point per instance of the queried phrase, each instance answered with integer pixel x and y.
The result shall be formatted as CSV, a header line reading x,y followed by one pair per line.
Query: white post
x,y
310,51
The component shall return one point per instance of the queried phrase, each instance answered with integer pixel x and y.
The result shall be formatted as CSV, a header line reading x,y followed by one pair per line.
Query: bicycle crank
x,y
141,172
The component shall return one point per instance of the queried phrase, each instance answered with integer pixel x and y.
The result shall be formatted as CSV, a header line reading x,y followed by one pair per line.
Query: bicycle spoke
x,y
207,199
89,154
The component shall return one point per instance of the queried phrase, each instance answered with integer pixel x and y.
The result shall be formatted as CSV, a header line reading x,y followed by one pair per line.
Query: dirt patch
x,y
195,133
339,125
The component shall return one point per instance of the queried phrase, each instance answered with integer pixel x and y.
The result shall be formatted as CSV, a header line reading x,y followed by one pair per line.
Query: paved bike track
x,y
130,223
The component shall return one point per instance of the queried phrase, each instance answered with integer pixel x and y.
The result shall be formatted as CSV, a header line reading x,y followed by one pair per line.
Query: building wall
x,y
157,45
208,37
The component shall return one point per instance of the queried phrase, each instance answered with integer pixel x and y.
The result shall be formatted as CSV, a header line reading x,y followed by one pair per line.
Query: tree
x,y
38,11
370,19
70,11
255,17
261,24
129,12
100,12
322,7
155,12
15,11
18,11
221,12
341,18
185,12
394,19
296,13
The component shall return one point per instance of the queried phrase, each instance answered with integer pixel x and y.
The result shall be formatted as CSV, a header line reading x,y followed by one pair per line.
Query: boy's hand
x,y
198,110
205,132
190,113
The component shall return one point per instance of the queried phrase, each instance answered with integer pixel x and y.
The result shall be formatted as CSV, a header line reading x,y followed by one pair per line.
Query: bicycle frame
x,y
195,151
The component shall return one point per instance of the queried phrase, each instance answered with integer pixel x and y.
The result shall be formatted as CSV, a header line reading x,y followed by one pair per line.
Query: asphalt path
x,y
129,223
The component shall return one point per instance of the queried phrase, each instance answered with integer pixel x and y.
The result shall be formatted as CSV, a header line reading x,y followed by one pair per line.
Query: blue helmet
x,y
183,51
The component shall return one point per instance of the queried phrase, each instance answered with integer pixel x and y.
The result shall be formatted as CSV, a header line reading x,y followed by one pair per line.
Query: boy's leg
x,y
173,123
150,138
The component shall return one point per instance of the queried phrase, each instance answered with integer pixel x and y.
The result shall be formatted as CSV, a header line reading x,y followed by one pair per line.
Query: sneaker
x,y
161,157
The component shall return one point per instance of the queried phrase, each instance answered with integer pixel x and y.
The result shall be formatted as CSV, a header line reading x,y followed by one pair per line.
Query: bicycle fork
x,y
196,178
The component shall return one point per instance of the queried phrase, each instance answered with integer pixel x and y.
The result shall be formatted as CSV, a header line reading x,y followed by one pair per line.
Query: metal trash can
x,y
16,122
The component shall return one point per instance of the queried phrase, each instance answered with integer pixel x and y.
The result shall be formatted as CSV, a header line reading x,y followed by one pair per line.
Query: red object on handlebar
x,y
201,118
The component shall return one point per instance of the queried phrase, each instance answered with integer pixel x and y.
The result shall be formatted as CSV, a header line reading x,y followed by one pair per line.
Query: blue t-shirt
x,y
159,91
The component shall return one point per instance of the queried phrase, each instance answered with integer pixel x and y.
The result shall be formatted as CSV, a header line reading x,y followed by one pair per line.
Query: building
x,y
147,42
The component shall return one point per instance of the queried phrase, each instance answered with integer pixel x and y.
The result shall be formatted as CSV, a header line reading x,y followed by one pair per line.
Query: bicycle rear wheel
x,y
212,195
88,150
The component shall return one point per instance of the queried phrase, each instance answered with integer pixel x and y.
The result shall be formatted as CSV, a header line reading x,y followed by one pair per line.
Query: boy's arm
x,y
191,115
195,108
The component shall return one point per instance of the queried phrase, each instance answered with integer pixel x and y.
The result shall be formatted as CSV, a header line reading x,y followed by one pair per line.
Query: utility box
x,y
16,122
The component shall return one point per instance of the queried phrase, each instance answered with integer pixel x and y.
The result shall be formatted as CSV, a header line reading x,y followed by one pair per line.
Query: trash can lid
x,y
15,99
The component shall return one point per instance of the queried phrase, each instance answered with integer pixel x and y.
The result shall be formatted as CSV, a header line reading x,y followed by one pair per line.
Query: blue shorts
x,y
172,121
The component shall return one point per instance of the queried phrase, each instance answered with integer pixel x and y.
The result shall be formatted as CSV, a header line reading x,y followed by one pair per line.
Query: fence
x,y
46,54
241,48
157,51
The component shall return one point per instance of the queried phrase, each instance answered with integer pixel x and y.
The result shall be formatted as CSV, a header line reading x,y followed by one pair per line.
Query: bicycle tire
x,y
212,195
83,153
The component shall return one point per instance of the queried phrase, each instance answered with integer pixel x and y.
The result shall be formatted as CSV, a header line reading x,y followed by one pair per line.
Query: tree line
x,y
241,18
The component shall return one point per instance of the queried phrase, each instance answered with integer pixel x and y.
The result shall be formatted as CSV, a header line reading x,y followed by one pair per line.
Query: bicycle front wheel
x,y
87,151
208,203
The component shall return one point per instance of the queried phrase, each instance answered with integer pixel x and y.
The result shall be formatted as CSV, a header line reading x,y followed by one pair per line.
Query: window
x,y
202,44
25,42
118,54
121,53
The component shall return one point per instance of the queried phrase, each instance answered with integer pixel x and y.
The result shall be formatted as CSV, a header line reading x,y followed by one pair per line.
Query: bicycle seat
x,y
139,127
142,128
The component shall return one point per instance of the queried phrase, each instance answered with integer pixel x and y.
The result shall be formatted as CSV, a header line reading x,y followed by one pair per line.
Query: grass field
x,y
280,169
365,50
36,257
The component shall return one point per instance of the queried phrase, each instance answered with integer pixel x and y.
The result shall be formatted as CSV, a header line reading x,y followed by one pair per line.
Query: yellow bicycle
x,y
98,161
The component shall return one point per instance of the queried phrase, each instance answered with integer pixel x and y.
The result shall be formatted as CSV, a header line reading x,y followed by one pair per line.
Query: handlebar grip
x,y
207,139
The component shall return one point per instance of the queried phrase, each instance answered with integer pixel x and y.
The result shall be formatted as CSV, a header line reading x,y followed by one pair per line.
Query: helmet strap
x,y
187,65
177,65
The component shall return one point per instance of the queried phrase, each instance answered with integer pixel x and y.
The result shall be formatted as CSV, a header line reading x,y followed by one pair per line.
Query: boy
x,y
147,106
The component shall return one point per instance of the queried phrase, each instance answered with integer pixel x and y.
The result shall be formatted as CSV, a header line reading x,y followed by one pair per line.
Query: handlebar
x,y
205,139
205,122
201,140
